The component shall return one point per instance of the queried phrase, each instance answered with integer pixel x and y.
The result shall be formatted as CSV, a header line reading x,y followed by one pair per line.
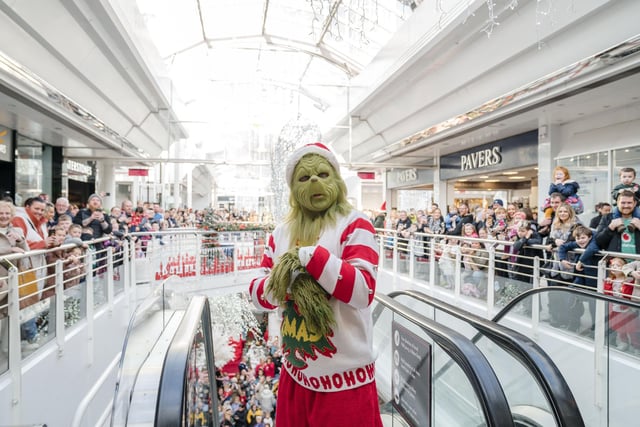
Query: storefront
x,y
40,168
410,188
79,180
505,169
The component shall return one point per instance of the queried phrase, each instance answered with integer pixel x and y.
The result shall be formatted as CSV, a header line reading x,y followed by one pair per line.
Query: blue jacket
x,y
589,260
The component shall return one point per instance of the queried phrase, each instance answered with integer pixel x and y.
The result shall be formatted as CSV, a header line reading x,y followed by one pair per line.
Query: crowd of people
x,y
554,236
247,398
43,224
247,395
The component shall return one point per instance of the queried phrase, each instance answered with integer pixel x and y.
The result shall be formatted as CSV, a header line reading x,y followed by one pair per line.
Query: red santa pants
x,y
300,407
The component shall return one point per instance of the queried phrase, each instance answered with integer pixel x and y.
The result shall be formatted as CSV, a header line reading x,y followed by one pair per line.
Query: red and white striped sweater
x,y
344,263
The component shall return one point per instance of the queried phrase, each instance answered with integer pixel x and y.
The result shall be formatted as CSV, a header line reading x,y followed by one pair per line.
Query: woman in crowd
x,y
12,241
561,229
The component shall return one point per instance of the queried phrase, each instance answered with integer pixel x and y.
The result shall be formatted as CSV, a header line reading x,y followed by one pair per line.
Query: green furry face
x,y
315,184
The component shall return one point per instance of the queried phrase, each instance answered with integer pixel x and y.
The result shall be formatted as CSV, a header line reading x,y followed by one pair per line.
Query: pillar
x,y
106,183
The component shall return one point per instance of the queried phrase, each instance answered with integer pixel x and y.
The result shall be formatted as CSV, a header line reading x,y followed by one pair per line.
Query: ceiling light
x,y
484,176
517,177
491,180
463,180
510,173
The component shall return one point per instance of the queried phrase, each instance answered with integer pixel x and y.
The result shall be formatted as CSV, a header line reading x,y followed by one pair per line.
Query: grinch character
x,y
321,274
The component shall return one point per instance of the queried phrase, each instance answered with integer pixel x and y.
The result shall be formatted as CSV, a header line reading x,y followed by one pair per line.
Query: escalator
x,y
165,380
578,371
537,393
437,365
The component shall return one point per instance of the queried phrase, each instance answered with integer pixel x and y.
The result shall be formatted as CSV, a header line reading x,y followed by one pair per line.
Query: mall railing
x,y
493,275
105,270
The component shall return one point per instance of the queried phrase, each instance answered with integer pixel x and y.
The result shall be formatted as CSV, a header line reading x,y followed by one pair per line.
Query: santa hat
x,y
315,148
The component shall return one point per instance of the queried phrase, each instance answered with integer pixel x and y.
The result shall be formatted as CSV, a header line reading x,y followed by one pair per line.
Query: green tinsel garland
x,y
309,296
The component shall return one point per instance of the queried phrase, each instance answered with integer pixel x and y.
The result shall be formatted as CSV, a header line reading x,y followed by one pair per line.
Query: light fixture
x,y
484,176
491,180
510,173
517,177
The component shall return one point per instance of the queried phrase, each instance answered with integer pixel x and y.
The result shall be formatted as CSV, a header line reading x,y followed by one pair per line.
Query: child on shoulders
x,y
563,184
627,176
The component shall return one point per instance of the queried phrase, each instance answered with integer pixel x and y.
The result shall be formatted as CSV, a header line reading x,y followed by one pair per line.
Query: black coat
x,y
611,241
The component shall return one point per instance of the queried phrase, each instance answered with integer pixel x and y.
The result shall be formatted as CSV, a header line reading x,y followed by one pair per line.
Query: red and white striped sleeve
x,y
351,278
258,285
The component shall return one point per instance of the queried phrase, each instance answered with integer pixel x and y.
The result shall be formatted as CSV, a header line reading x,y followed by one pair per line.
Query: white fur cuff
x,y
305,253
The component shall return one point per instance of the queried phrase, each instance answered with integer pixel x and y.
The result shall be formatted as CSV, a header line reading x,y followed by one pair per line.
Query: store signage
x,y
408,175
367,175
481,159
138,172
411,381
6,144
79,168
515,151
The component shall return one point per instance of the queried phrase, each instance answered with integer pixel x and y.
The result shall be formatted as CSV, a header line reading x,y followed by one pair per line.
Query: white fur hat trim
x,y
315,148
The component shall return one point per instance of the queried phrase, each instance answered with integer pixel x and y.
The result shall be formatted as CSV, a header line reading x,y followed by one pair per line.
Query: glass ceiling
x,y
254,65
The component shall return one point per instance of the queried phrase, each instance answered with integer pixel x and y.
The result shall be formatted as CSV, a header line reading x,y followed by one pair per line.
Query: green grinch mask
x,y
315,184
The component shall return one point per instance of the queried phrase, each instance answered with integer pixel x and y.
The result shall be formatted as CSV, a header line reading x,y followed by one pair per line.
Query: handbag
x,y
27,283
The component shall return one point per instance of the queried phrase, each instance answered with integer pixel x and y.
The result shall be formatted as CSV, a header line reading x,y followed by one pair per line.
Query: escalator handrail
x,y
574,290
524,349
471,360
173,379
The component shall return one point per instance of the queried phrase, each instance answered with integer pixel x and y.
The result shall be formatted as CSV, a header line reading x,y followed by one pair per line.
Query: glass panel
x,y
519,385
625,157
598,358
29,169
591,172
453,400
198,410
145,327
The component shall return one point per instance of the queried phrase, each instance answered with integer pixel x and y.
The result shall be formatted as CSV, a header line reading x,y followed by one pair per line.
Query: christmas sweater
x,y
344,263
619,288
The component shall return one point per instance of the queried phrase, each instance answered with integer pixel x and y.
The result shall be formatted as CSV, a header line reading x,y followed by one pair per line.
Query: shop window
x,y
29,169
591,172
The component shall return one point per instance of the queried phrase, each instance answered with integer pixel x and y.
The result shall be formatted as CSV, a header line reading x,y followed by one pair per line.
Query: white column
x,y
548,145
190,187
135,191
106,183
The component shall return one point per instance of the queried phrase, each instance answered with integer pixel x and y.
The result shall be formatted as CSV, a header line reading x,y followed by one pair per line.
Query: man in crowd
x,y
464,217
628,240
126,214
602,208
62,208
544,226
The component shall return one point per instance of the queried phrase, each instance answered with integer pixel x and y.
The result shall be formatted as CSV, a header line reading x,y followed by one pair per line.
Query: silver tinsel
x,y
231,315
71,311
295,133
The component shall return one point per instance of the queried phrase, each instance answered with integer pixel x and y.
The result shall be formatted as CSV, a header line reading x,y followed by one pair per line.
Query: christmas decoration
x,y
295,133
231,318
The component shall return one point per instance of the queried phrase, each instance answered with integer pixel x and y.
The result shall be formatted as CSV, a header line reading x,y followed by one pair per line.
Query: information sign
x,y
411,376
